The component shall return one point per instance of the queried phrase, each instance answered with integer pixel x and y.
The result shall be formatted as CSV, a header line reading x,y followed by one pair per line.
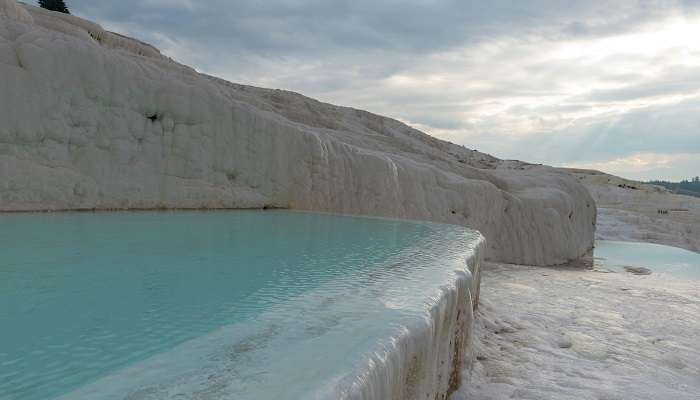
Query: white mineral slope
x,y
94,120
629,211
578,334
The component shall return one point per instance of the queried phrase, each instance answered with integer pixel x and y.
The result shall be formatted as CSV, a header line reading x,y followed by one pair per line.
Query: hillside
x,y
92,120
635,211
684,187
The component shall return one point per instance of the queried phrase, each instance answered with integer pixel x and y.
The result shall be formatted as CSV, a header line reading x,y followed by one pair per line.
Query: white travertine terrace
x,y
638,212
94,120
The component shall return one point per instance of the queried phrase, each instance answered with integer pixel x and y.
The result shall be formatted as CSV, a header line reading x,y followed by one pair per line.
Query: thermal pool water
x,y
655,258
232,305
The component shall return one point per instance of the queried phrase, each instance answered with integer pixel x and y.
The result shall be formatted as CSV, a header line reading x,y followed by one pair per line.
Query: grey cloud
x,y
675,81
343,52
312,26
658,129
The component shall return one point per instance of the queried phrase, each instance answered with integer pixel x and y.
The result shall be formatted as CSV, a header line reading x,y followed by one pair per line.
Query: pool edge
x,y
429,360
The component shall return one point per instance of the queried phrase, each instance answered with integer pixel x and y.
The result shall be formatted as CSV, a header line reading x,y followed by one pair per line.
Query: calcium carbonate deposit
x,y
638,212
95,120
576,334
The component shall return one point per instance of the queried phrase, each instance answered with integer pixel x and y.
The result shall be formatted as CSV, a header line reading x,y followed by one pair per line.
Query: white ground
x,y
575,333
631,226
629,211
556,333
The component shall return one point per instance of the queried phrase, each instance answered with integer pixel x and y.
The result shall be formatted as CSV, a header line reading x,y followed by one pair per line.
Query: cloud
x,y
544,81
188,5
648,166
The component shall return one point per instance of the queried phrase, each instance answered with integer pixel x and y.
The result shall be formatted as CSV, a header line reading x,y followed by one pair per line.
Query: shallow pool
x,y
210,305
657,258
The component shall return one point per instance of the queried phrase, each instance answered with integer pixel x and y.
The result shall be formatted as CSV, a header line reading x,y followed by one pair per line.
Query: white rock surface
x,y
94,120
629,211
578,334
12,10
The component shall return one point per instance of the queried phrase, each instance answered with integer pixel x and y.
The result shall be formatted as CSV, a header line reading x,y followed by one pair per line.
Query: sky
x,y
610,85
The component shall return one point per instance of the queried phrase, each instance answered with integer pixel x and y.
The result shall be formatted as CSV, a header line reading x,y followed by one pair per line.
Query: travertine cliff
x,y
93,120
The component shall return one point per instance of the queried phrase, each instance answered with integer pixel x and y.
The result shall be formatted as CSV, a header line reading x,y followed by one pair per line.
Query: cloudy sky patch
x,y
609,85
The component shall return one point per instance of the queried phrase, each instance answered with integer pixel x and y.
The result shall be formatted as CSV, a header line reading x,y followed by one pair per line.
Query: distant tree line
x,y
54,5
689,187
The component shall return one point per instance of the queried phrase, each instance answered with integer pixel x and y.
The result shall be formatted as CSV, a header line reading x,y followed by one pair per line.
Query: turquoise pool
x,y
239,304
659,259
